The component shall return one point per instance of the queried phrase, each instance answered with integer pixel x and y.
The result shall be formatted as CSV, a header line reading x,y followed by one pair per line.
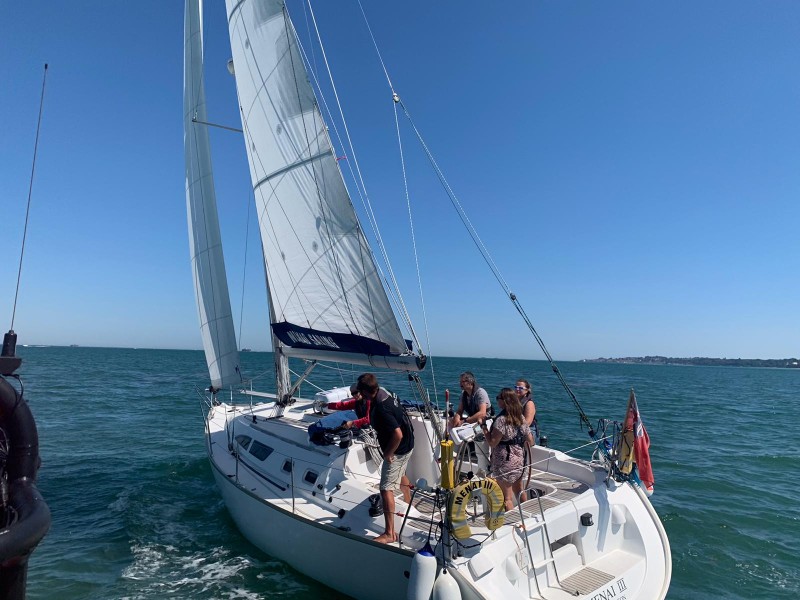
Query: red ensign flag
x,y
641,444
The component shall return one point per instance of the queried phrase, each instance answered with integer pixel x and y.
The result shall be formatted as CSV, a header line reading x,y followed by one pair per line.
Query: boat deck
x,y
542,550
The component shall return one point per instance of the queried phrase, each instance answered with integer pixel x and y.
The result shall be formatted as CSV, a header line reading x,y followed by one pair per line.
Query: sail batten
x,y
324,287
205,243
288,168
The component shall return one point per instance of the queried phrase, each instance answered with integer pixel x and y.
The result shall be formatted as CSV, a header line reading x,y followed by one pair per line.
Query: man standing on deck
x,y
396,439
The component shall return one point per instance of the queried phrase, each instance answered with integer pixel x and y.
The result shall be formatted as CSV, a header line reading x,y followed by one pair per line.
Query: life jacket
x,y
534,423
518,440
470,401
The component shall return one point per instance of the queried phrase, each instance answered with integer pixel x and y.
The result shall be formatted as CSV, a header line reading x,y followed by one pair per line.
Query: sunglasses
x,y
520,387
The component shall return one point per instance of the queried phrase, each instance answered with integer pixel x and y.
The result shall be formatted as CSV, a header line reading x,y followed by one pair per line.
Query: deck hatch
x,y
259,450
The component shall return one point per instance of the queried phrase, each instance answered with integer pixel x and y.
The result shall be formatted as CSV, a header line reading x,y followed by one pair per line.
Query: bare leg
x,y
388,536
516,489
507,495
405,487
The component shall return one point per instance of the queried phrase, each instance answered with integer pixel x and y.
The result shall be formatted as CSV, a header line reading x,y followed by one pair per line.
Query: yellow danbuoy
x,y
448,466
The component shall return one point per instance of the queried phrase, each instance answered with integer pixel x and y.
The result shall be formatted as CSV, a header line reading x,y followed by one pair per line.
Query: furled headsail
x,y
324,287
205,244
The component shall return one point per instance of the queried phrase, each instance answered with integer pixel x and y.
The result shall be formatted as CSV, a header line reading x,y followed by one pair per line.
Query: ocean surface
x,y
136,514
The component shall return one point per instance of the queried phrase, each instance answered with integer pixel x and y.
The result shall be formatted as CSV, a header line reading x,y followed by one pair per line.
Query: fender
x,y
19,537
457,511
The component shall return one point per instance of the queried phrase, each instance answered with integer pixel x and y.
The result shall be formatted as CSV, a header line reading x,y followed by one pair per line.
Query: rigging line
x,y
291,35
234,129
374,43
244,268
494,268
257,103
257,158
393,290
395,97
313,68
413,237
397,303
368,204
457,205
584,419
413,241
320,182
362,239
30,193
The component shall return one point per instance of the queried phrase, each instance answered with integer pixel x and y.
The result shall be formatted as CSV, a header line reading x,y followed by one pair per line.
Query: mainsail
x,y
324,288
205,245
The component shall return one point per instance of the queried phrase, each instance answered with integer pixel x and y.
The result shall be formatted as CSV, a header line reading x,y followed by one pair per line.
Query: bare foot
x,y
386,538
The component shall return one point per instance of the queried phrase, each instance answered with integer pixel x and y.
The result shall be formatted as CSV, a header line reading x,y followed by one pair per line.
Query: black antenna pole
x,y
24,515
30,192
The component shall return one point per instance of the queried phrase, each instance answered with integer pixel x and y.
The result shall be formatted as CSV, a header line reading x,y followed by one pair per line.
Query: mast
x,y
205,242
282,380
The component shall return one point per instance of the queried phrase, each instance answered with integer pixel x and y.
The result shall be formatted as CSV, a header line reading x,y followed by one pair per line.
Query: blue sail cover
x,y
314,339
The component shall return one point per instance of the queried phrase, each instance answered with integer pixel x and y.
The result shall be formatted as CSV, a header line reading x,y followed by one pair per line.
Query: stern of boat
x,y
579,535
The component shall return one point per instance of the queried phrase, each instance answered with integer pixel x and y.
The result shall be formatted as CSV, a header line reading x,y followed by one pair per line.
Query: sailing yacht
x,y
586,531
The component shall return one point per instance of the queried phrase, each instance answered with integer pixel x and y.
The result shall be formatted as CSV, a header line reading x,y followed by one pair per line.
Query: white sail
x,y
205,245
324,287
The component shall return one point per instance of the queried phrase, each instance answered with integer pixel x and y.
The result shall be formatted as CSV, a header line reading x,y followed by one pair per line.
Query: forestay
x,y
205,245
324,287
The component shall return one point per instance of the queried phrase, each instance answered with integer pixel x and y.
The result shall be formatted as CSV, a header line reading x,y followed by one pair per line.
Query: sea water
x,y
136,514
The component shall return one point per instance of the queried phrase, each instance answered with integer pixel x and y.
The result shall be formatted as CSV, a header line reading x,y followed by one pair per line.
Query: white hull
x,y
321,525
351,564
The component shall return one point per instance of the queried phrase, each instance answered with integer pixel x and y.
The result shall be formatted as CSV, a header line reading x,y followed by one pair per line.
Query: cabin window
x,y
243,440
259,450
287,466
310,477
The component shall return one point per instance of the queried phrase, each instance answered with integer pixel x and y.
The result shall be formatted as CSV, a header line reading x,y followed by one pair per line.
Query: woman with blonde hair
x,y
507,439
525,395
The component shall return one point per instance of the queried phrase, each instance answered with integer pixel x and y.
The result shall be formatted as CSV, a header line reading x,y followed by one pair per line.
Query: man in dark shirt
x,y
396,439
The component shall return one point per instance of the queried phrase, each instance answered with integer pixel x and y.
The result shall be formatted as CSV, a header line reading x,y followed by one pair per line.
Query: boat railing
x,y
527,529
527,542
405,516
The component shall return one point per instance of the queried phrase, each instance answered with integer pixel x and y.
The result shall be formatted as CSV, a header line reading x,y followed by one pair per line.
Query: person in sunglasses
x,y
525,395
356,402
507,438
474,401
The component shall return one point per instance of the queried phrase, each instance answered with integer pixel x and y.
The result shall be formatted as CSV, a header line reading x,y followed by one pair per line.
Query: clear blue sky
x,y
634,168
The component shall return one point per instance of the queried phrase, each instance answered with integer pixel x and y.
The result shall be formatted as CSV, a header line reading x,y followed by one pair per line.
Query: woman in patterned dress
x,y
507,439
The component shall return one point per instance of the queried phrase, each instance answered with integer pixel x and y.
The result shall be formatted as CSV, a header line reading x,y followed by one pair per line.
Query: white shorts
x,y
392,472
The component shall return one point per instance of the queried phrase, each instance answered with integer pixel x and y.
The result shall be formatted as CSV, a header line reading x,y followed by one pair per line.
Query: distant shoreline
x,y
783,363
780,363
